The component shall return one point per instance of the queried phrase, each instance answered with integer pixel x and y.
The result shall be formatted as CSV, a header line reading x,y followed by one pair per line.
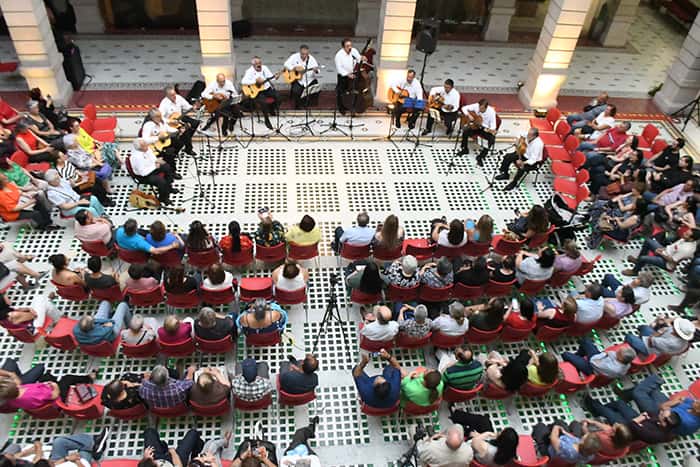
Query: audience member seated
x,y
508,374
235,241
33,146
640,286
569,259
198,239
95,279
437,275
299,377
590,304
590,112
61,275
530,223
380,391
534,266
91,330
8,115
672,195
212,326
252,381
558,443
22,205
630,168
422,386
217,278
270,232
59,117
82,182
666,336
665,256
414,322
403,272
263,318
487,316
61,194
138,281
31,318
608,140
366,277
88,228
21,177
489,448
453,324
543,368
679,173
159,237
290,276
140,331
177,282
667,158
10,369
390,234
448,448
503,272
156,452
613,438
473,273
359,235
305,233
549,314
211,386
175,330
621,305
617,224
128,237
153,170
378,325
520,313
123,392
162,390
18,395
459,369
481,231
594,129
79,449
451,236
589,360
15,262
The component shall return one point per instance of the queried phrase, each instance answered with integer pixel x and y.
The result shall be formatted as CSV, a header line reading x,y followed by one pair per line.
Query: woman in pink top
x,y
36,395
174,330
137,281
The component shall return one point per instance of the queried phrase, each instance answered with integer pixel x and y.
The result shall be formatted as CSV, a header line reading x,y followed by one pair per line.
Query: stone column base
x,y
51,80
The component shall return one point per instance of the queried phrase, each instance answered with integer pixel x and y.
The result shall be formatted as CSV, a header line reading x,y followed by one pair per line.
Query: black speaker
x,y
240,29
426,41
195,91
73,66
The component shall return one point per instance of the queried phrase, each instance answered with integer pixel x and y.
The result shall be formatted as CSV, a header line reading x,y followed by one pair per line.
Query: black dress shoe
x,y
501,177
167,202
510,186
479,161
177,176
174,190
190,151
268,124
425,132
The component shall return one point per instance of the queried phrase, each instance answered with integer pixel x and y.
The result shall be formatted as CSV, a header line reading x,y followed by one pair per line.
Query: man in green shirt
x,y
24,180
422,386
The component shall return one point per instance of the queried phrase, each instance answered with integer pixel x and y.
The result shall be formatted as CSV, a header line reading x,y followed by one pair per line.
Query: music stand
x,y
306,95
277,130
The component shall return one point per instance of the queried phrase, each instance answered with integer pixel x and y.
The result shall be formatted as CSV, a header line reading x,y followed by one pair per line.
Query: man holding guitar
x,y
345,60
164,140
446,100
218,100
401,89
256,83
174,109
528,153
153,170
479,119
299,70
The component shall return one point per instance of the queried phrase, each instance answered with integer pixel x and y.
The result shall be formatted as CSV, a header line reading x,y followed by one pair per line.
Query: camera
x,y
420,432
334,278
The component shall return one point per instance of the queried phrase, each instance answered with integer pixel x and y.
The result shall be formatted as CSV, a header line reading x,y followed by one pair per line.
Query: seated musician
x,y
486,130
222,91
261,75
412,89
152,170
527,155
165,141
345,60
173,108
446,99
305,63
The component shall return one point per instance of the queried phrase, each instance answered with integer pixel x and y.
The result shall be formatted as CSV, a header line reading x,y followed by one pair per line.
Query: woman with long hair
x,y
198,238
451,236
235,241
390,235
367,279
178,282
543,368
481,231
489,447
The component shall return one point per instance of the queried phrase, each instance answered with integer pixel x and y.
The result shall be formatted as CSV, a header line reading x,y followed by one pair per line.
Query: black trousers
x,y
28,377
97,189
187,448
229,116
261,98
65,382
297,90
510,159
302,436
162,180
343,85
472,422
39,215
469,132
448,117
399,109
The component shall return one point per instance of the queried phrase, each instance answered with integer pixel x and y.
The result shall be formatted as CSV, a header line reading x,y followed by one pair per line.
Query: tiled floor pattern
x,y
148,62
329,181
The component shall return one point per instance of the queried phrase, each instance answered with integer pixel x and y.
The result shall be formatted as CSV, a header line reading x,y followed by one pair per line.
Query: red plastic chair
x,y
169,259
579,330
475,249
536,390
351,252
184,301
557,138
587,266
218,297
375,346
61,336
450,252
649,134
415,410
22,334
657,146
541,238
219,346
380,253
255,287
565,153
302,252
131,256
511,334
149,297
560,278
170,412
96,249
136,412
452,394
505,247
271,254
547,123
103,349
286,398
202,259
128,463
49,411
247,406
264,339
407,342
527,455
147,350
290,297
694,389
91,410
499,289
571,381
238,260
220,409
607,322
22,159
420,248
99,124
605,457
434,294
443,341
112,294
479,336
402,294
182,348
362,298
549,333
467,292
375,412
493,392
74,293
532,288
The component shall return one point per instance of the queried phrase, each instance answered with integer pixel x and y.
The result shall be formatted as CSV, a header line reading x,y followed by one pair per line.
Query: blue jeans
x,y
610,285
649,197
544,301
63,445
637,343
617,411
95,208
586,146
650,244
581,359
594,159
121,316
647,395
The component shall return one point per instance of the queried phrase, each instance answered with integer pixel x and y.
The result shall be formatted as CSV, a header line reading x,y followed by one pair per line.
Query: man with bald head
x,y
223,91
379,325
445,448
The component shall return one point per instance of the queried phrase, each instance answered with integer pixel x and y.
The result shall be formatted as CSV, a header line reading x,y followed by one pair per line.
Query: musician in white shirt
x,y
152,170
261,76
486,130
525,163
448,109
305,63
345,61
411,85
174,104
223,91
155,130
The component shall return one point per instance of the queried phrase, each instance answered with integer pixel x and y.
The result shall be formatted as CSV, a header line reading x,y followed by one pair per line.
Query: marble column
x,y
615,35
88,16
498,22
393,43
215,39
548,68
367,22
39,60
683,79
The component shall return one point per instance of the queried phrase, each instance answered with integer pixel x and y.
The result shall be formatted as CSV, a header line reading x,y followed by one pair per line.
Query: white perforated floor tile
x,y
271,195
464,196
545,410
367,196
278,423
317,197
360,161
341,421
417,196
219,198
397,428
313,161
407,161
266,161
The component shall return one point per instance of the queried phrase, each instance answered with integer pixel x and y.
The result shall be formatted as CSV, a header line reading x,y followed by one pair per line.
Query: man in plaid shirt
x,y
160,390
253,382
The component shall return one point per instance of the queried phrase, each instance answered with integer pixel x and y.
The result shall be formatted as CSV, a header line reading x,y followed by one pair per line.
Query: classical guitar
x,y
472,120
160,145
521,146
436,102
399,97
212,104
251,91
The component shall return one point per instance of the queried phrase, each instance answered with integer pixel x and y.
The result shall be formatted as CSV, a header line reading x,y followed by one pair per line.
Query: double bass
x,y
359,97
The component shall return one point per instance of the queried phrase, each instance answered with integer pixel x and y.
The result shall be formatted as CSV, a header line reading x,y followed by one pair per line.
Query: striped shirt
x,y
463,375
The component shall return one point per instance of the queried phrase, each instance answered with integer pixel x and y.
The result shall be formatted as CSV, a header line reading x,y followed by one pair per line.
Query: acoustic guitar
x,y
397,97
474,123
160,145
521,146
251,91
211,105
297,73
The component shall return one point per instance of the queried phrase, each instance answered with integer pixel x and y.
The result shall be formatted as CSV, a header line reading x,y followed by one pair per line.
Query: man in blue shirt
x,y
380,391
590,304
128,238
299,377
360,235
91,331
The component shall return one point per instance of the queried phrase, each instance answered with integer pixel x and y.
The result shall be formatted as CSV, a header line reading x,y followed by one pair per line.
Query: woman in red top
x,y
174,330
16,205
8,116
34,147
522,318
235,242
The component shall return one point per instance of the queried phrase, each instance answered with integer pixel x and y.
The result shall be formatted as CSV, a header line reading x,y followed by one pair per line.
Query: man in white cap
x,y
666,336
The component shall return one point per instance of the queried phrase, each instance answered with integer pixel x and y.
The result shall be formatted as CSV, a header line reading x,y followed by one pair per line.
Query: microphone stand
x,y
306,126
278,126
491,181
417,141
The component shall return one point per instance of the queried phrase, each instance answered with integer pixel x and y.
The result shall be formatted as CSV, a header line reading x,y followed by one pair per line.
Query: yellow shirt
x,y
533,376
85,141
298,236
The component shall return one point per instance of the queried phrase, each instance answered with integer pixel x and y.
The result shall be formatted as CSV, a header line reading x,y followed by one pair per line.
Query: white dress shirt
x,y
295,60
151,131
415,91
535,150
345,62
143,162
489,116
228,89
252,75
451,98
602,120
168,108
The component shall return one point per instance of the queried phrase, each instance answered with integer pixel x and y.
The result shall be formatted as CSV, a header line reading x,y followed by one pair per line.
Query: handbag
x,y
82,393
606,223
614,188
89,183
